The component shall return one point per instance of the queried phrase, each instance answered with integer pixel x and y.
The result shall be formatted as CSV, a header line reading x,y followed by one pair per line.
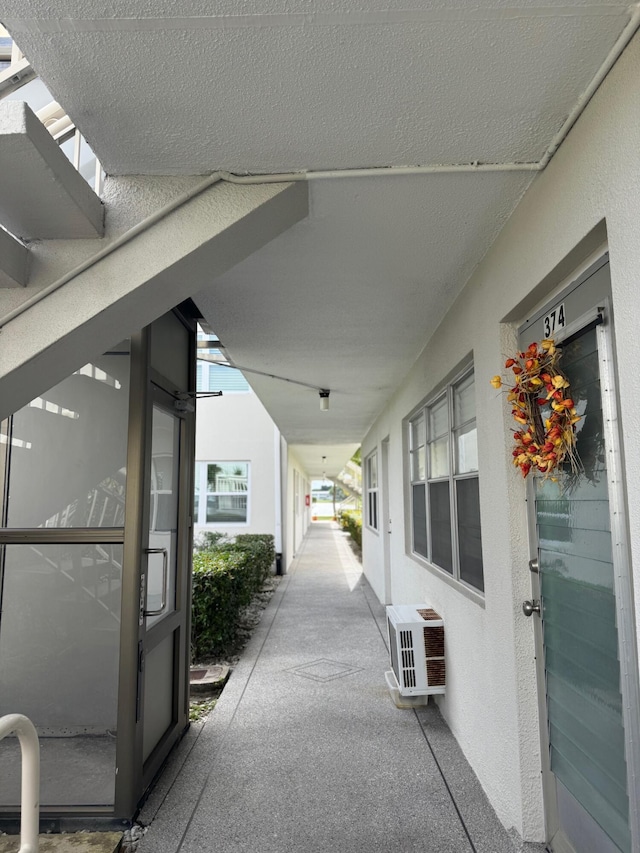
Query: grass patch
x,y
199,708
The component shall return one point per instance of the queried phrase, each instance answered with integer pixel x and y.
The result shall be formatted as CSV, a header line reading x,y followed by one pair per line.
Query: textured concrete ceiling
x,y
268,86
346,299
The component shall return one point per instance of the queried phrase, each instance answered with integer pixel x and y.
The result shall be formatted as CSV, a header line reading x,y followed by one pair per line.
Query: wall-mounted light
x,y
324,400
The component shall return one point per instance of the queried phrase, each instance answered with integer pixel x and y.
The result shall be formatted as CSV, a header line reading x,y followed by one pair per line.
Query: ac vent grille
x,y
435,672
409,677
406,641
434,642
428,614
408,659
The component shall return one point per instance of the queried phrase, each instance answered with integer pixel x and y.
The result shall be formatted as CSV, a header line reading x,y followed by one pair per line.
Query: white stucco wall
x,y
297,516
237,428
491,700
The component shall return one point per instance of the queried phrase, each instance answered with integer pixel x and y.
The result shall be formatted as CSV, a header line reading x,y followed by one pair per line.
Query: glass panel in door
x,y
159,643
584,704
163,516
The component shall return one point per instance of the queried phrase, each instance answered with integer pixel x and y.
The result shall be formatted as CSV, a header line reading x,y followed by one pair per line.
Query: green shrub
x,y
226,576
351,521
210,539
261,553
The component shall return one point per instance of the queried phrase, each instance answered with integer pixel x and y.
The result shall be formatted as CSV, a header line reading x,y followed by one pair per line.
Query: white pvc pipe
x,y
286,177
229,177
30,795
380,172
614,55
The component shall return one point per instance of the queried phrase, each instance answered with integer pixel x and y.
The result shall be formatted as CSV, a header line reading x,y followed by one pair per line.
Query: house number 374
x,y
554,321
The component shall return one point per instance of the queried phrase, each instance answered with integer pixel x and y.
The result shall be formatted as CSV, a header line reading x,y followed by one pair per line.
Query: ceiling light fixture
x,y
324,400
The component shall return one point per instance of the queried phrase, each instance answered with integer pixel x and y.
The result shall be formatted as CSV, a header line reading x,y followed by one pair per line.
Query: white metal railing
x,y
22,726
351,477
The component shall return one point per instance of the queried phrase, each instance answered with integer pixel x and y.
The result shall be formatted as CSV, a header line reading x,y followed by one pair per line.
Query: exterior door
x,y
163,621
386,521
581,583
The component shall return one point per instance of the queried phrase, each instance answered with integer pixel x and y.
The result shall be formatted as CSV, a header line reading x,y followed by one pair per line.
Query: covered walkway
x,y
306,752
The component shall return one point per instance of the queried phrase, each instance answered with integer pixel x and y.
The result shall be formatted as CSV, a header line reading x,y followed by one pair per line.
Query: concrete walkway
x,y
305,750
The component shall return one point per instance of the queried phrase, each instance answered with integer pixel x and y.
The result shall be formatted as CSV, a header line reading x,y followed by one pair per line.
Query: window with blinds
x,y
443,467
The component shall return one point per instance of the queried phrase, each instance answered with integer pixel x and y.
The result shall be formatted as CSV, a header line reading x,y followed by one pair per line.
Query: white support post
x,y
30,803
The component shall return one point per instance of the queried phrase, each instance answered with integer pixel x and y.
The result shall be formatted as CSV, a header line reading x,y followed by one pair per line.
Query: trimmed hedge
x,y
351,521
226,576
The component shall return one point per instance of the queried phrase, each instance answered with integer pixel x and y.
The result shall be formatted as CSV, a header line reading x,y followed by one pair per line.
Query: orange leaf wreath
x,y
545,439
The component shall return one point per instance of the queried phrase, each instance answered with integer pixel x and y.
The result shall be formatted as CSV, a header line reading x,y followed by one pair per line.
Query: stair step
x,y
41,195
13,261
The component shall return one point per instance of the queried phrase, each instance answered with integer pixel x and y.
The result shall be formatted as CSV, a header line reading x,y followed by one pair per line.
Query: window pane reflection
x,y
226,508
438,419
69,451
467,449
464,401
439,458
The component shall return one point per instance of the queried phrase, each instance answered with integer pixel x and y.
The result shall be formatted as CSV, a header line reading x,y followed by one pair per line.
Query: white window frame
x,y
418,466
202,466
204,382
372,490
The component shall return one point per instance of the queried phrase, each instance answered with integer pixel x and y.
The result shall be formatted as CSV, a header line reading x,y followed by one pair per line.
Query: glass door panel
x,y
163,516
162,622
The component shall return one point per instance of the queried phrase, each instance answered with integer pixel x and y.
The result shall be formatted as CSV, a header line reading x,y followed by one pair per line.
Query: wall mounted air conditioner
x,y
416,646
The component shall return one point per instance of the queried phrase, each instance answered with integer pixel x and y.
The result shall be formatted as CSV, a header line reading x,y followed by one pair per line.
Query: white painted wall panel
x,y
296,517
490,702
237,428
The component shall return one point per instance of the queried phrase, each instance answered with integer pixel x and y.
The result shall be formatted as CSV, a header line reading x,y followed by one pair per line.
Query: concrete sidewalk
x,y
305,750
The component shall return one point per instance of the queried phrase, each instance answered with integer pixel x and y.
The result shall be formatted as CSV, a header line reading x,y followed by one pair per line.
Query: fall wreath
x,y
543,405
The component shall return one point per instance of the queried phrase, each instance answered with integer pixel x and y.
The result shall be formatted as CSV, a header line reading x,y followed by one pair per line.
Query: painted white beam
x,y
172,260
42,196
13,261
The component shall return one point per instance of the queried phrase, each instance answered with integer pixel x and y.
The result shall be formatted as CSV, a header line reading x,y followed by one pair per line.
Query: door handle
x,y
530,607
165,576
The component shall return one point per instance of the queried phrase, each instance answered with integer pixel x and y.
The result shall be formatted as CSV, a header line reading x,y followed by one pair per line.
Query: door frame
x,y
385,518
600,311
134,775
